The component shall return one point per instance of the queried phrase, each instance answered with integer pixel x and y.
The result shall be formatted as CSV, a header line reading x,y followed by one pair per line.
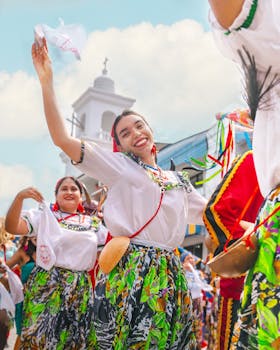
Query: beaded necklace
x,y
62,219
162,180
92,223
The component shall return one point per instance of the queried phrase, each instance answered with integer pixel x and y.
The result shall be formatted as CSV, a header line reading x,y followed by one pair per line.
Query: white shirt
x,y
262,40
195,283
133,198
59,245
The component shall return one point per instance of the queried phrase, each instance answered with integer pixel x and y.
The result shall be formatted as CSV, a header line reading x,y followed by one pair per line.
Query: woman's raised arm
x,y
13,221
59,134
226,11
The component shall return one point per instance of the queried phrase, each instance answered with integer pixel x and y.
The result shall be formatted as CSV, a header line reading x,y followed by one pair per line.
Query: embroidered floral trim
x,y
185,179
95,223
163,181
90,224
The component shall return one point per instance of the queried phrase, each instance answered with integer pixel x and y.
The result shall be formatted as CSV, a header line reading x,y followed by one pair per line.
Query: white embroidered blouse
x,y
133,198
69,242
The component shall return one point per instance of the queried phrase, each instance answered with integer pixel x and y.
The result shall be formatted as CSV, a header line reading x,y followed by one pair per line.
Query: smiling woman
x,y
134,135
68,192
58,303
144,301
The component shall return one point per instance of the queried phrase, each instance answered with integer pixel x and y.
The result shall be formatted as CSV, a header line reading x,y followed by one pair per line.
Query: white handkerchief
x,y
65,37
47,232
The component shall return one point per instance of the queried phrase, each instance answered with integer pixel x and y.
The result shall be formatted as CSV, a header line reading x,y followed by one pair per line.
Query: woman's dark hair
x,y
119,117
60,181
27,245
4,328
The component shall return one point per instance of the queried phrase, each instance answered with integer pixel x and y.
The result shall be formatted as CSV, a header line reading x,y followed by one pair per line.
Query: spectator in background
x,y
196,285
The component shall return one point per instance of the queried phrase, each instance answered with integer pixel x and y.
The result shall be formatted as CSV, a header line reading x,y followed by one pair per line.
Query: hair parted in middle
x,y
60,181
125,113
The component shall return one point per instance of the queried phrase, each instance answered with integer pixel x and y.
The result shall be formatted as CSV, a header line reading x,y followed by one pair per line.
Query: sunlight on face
x,y
135,135
68,196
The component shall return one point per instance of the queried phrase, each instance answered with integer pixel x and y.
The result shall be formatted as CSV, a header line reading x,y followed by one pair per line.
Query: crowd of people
x,y
145,295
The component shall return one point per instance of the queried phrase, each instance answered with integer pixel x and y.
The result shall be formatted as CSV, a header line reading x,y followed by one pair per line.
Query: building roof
x,y
195,146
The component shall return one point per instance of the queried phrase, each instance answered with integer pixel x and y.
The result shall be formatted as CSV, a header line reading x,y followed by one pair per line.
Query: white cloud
x,y
20,106
176,74
13,179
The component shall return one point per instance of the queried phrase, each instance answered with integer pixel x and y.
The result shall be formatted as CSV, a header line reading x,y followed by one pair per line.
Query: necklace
x,y
156,175
86,223
181,179
62,219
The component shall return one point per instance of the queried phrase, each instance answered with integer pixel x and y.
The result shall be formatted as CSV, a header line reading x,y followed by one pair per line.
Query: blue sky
x,y
158,50
92,14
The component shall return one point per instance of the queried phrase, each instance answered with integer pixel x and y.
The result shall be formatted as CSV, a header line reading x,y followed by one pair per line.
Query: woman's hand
x,y
30,193
42,62
14,223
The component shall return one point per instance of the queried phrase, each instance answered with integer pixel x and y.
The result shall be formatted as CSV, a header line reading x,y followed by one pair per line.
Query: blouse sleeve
x,y
102,164
32,218
102,235
196,205
256,28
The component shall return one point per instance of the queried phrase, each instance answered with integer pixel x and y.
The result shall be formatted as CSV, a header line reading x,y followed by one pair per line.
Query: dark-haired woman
x,y
144,301
58,303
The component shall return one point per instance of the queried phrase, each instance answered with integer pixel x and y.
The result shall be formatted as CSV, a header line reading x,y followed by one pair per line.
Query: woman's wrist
x,y
46,83
19,198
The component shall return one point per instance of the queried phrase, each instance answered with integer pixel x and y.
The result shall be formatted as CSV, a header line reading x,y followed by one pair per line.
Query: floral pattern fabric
x,y
259,319
57,311
144,303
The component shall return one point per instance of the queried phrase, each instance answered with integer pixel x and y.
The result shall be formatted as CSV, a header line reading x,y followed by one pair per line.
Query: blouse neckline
x,y
181,179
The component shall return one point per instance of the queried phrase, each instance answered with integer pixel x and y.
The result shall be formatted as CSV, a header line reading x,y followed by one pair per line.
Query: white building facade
x,y
93,115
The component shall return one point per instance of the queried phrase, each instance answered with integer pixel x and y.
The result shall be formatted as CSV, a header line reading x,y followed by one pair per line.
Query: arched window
x,y
107,120
79,123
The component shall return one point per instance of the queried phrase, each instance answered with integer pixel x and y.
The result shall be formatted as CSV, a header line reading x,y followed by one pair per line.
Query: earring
x,y
154,149
81,208
55,207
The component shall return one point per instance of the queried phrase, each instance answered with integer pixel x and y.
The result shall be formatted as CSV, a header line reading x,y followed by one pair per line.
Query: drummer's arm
x,y
226,11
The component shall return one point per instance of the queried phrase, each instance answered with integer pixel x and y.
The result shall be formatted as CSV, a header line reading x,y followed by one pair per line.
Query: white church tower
x,y
94,113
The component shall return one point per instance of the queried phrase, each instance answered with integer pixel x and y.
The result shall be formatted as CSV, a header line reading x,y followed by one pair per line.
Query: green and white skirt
x,y
144,303
57,310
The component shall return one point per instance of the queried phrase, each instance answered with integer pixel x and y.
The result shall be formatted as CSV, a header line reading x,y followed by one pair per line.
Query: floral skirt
x,y
258,327
144,303
57,310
